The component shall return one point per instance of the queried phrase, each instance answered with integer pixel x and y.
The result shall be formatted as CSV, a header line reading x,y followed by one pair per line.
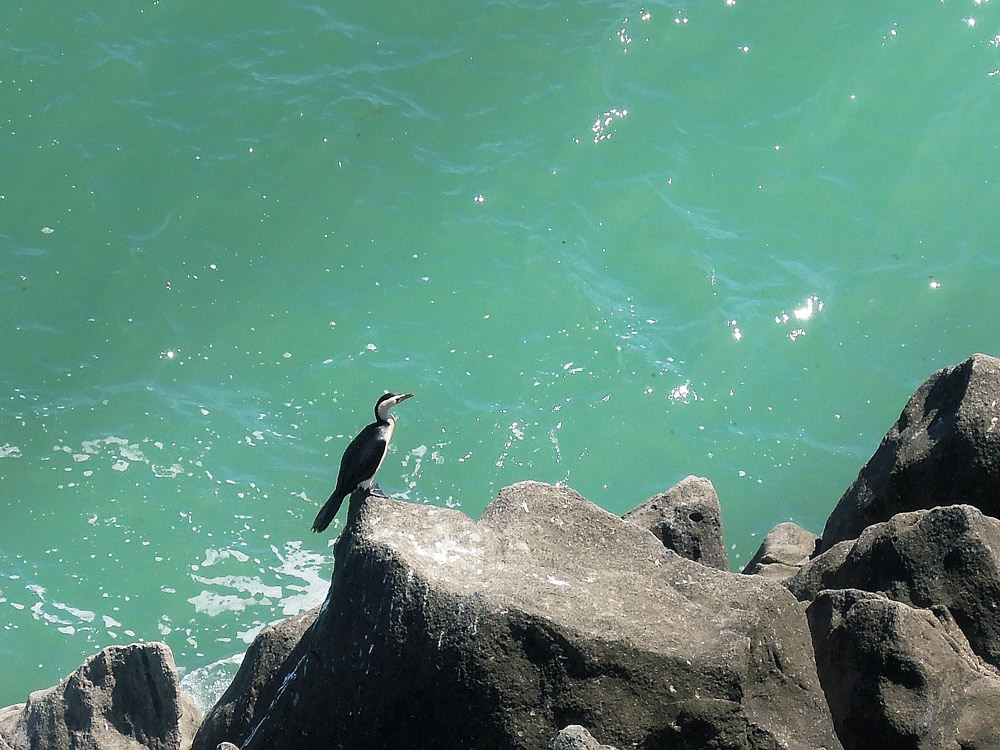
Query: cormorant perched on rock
x,y
362,458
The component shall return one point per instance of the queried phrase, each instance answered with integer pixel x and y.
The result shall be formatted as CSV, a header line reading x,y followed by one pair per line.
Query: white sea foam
x,y
212,604
212,556
207,684
110,622
9,451
235,592
121,454
307,566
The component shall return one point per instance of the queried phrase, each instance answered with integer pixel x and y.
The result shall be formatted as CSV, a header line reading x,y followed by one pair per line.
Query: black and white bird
x,y
362,458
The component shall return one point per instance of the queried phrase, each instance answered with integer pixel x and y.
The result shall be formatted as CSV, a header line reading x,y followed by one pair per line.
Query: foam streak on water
x,y
608,245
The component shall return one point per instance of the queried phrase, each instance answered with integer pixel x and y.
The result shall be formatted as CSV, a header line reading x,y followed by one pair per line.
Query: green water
x,y
606,244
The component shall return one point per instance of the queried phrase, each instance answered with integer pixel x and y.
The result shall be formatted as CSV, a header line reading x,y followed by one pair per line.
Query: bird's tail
x,y
327,512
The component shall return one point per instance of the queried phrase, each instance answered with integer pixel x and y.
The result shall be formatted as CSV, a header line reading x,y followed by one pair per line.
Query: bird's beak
x,y
403,397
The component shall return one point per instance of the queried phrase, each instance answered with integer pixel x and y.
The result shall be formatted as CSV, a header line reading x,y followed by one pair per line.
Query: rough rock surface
x,y
943,450
575,737
442,632
944,556
9,716
785,549
820,572
900,677
269,654
687,518
123,698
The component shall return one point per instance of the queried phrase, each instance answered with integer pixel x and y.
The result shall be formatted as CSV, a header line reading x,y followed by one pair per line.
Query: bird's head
x,y
386,402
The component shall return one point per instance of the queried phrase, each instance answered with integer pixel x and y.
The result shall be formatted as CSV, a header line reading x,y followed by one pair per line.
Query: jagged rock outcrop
x,y
687,518
783,551
904,594
123,698
901,677
940,557
943,450
442,632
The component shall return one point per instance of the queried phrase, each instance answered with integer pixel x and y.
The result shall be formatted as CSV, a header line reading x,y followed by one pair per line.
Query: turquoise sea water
x,y
607,244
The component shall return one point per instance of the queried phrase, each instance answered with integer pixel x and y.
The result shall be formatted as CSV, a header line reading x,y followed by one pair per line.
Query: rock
x,y
575,737
785,549
9,716
253,688
896,676
227,746
943,450
820,572
442,632
943,556
123,698
686,518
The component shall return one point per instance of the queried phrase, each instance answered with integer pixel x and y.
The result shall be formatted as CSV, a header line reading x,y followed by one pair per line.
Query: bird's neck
x,y
386,428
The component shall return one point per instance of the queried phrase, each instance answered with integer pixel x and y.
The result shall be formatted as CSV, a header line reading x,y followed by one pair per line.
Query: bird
x,y
362,458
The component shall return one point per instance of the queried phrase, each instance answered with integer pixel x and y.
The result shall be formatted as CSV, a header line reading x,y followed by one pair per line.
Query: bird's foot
x,y
376,491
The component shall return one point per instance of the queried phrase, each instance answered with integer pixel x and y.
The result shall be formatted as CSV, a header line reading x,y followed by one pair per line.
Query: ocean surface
x,y
608,244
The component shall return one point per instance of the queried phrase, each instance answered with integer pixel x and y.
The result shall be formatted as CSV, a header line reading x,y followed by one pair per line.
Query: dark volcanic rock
x,y
687,518
899,677
269,654
943,450
943,556
124,698
785,549
442,632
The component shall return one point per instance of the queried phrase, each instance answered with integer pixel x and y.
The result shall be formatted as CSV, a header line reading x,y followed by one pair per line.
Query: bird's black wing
x,y
360,462
361,459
